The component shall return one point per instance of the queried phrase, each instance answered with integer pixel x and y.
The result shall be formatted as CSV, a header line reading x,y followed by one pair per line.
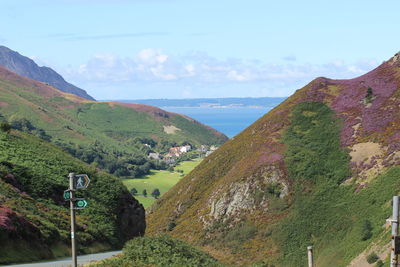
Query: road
x,y
66,262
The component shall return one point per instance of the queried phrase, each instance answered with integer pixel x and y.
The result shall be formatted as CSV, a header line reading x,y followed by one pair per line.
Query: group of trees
x,y
155,193
118,163
25,125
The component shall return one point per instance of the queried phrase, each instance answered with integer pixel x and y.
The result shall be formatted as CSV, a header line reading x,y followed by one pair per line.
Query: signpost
x,y
395,231
310,256
76,182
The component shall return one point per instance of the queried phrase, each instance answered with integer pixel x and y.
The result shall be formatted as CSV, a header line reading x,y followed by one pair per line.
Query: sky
x,y
138,49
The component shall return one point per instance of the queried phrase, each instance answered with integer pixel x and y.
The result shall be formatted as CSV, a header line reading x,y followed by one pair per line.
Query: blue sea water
x,y
229,120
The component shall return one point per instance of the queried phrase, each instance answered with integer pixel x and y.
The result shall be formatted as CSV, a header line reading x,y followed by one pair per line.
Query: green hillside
x,y
162,180
34,219
98,132
320,169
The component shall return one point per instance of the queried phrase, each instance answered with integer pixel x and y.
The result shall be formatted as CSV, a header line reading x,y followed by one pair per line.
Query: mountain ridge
x,y
25,66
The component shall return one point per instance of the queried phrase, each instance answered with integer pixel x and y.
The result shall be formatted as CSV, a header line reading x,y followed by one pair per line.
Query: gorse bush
x,y
236,237
366,230
5,126
160,251
371,258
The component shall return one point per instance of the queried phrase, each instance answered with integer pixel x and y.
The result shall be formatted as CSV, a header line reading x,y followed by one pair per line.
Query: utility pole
x,y
71,205
395,231
310,256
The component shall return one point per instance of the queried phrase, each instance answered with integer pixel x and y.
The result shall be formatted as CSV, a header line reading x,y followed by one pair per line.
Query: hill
x,y
320,169
34,218
26,67
113,136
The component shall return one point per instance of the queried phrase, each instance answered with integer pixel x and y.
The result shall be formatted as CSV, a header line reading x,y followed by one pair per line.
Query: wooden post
x,y
71,205
310,256
395,230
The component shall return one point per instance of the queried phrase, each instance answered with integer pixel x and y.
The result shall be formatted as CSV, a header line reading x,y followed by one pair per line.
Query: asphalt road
x,y
66,262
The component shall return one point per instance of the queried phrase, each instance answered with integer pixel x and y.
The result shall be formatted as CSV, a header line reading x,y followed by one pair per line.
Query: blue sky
x,y
130,49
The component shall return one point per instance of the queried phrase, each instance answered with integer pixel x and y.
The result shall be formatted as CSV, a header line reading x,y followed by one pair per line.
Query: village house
x,y
180,149
170,157
202,149
185,149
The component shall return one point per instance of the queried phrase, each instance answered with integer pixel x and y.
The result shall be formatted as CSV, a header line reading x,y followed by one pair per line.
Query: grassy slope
x,y
163,180
73,119
41,169
230,191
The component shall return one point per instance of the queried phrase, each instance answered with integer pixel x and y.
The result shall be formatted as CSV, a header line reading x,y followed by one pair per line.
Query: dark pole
x,y
71,204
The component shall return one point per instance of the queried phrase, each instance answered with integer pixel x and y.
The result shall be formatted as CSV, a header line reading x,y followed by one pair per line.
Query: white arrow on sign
x,y
81,181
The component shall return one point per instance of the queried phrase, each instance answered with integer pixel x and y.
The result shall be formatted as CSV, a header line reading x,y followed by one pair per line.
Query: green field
x,y
163,180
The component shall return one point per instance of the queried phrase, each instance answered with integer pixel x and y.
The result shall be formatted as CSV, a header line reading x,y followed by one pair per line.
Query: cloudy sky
x,y
135,49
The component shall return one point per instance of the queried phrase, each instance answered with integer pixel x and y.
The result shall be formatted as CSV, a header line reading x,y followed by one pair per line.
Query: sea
x,y
228,120
227,115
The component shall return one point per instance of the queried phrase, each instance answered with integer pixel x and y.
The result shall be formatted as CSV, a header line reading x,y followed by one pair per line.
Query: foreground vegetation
x,y
34,217
159,251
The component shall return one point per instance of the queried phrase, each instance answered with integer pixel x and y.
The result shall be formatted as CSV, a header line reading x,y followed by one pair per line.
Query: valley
x,y
199,133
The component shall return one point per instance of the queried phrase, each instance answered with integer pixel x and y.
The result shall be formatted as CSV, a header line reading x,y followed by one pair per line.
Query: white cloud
x,y
205,73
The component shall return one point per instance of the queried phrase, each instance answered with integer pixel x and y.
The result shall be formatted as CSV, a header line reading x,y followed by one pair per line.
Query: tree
x,y
369,95
156,193
366,230
144,192
371,258
5,127
134,191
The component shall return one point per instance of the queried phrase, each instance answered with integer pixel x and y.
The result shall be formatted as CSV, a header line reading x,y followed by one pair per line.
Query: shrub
x,y
134,191
371,258
366,230
5,127
274,189
379,263
171,226
144,192
236,237
156,193
165,251
369,95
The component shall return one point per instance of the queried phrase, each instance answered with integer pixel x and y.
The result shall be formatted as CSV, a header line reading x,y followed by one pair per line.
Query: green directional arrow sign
x,y
80,203
67,195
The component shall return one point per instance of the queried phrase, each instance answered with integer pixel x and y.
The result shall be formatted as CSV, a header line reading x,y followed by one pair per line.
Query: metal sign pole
x,y
71,204
310,256
395,230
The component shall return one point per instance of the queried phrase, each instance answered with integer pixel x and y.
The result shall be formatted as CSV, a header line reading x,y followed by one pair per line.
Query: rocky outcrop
x,y
131,218
25,66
